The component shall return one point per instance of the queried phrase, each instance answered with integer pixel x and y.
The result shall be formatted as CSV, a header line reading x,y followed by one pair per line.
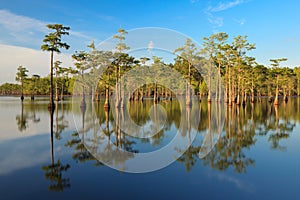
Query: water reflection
x,y
22,119
81,154
244,124
256,143
243,127
54,172
60,122
281,129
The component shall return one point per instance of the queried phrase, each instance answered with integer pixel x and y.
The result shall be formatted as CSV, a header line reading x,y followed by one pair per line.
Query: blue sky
x,y
273,25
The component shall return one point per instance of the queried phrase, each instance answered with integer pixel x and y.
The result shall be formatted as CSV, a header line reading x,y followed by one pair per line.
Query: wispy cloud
x,y
215,21
18,23
80,35
225,6
23,30
240,21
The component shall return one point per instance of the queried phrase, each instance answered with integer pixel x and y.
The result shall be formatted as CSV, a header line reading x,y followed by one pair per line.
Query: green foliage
x,y
21,73
52,41
121,46
10,89
203,88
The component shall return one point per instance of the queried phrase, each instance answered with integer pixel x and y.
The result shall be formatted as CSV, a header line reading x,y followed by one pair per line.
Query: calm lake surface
x,y
255,154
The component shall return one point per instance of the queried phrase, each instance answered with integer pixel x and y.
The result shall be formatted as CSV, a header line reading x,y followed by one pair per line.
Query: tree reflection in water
x,y
28,112
55,171
242,130
22,119
81,153
244,125
281,129
60,122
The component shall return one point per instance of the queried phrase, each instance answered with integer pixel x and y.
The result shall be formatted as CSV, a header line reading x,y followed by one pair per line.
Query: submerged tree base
x,y
106,107
82,104
51,106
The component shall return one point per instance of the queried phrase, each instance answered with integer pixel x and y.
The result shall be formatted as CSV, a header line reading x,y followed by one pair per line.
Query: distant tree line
x,y
36,85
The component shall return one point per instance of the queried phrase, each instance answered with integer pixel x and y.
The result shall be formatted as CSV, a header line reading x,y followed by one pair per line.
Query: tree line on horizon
x,y
242,77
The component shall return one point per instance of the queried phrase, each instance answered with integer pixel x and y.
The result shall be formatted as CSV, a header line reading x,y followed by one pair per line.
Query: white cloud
x,y
19,23
215,21
224,6
241,21
21,30
25,31
80,35
36,61
219,21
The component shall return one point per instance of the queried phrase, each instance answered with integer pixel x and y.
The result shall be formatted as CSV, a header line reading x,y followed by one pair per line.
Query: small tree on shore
x,y
20,77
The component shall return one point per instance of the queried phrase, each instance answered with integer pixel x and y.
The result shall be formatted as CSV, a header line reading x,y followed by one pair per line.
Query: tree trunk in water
x,y
22,95
298,87
238,99
51,104
188,95
155,93
226,94
233,92
106,103
97,95
209,92
93,94
56,88
188,89
149,90
136,96
166,94
277,93
259,97
142,94
62,92
117,89
238,92
285,96
122,92
83,104
245,98
219,82
217,94
252,91
229,90
209,86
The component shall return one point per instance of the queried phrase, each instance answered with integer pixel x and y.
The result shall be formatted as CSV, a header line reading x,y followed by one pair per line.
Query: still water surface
x,y
256,156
